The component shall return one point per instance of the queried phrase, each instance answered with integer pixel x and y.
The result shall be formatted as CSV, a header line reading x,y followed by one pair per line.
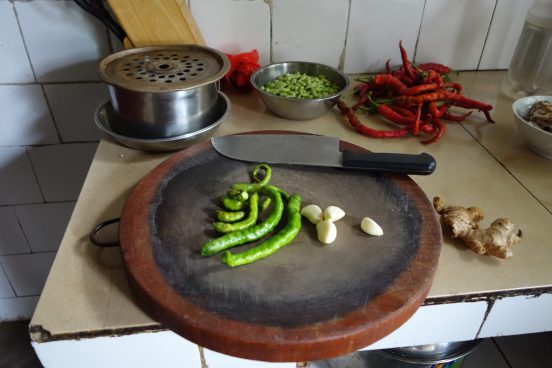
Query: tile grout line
x,y
487,35
501,352
34,174
22,231
3,270
60,139
419,32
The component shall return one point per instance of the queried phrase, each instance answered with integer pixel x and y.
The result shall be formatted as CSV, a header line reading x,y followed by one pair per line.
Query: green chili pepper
x,y
250,220
238,195
232,204
272,244
255,187
253,233
230,216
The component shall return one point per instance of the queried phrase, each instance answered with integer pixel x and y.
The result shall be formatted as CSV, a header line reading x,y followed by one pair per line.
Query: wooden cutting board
x,y
159,22
307,301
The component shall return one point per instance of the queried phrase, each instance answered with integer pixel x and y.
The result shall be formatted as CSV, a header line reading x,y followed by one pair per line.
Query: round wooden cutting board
x,y
308,301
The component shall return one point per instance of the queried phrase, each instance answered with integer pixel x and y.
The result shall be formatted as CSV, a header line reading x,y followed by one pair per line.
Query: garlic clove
x,y
313,213
371,227
333,213
326,231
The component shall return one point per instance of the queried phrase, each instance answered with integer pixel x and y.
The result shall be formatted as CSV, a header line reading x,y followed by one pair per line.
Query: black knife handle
x,y
400,163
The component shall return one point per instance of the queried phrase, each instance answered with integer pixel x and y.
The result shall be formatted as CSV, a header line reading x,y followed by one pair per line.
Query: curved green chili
x,y
250,220
272,244
238,195
230,216
232,204
253,233
255,187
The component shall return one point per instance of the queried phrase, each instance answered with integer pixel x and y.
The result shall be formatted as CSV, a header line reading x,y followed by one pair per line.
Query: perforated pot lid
x,y
163,68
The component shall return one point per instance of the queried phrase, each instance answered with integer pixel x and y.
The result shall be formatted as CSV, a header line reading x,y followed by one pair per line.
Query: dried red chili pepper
x,y
439,68
363,129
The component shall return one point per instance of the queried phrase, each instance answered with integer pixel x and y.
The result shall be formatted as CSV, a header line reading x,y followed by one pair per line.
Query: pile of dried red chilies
x,y
417,98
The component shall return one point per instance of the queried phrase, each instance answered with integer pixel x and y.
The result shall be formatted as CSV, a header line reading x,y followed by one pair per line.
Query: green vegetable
x,y
230,216
272,244
301,86
250,220
254,187
232,204
238,195
251,234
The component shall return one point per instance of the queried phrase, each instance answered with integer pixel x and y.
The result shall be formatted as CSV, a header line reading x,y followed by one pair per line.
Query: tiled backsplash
x,y
49,89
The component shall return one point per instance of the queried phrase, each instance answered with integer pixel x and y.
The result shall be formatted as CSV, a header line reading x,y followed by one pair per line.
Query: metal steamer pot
x,y
163,91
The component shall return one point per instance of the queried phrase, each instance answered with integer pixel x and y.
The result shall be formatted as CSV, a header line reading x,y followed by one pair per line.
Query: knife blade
x,y
314,150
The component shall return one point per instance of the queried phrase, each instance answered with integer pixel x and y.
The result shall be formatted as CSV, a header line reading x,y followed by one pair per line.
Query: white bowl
x,y
540,141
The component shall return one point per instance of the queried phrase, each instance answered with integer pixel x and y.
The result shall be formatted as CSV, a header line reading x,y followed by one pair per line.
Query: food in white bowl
x,y
529,123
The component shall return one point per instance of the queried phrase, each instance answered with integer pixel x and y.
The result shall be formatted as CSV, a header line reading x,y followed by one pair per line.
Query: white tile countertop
x,y
87,317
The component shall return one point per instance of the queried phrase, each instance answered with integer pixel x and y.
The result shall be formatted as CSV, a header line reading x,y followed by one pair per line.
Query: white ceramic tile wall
x,y
12,239
453,32
24,116
14,59
5,287
17,179
45,122
73,107
466,325
309,30
72,44
234,26
506,26
18,308
61,169
217,360
44,224
533,313
375,29
27,272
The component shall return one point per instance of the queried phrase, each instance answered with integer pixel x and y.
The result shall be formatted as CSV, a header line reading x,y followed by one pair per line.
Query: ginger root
x,y
463,222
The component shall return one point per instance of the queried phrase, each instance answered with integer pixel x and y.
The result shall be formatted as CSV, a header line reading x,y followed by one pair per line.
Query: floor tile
x,y
73,107
485,355
17,308
24,116
15,346
246,29
12,239
17,181
44,224
322,41
61,169
14,64
74,42
532,350
28,272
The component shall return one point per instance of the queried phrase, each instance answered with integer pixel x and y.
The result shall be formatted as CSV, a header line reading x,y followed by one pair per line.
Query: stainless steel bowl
x,y
432,353
163,90
106,116
298,109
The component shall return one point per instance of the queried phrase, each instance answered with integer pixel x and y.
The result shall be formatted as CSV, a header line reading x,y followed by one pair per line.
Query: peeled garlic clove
x,y
371,227
313,213
333,213
326,231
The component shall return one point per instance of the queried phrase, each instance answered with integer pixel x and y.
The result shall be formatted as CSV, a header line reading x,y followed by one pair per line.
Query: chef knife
x,y
314,150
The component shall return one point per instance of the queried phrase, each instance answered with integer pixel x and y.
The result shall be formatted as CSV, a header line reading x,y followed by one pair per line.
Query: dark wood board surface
x,y
307,301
